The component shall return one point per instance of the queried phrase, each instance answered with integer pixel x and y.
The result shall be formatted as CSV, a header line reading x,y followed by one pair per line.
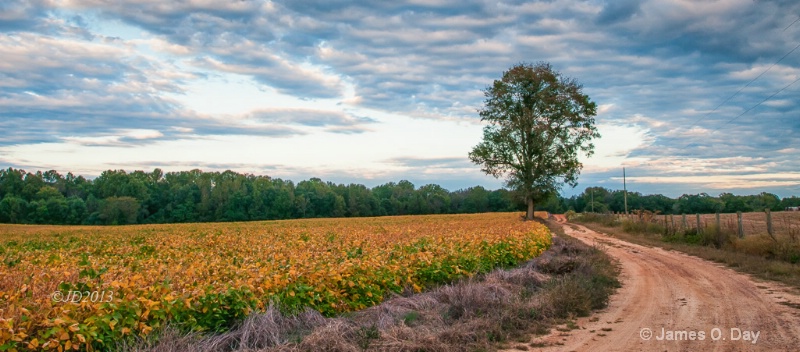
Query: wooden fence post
x,y
672,217
699,229
685,223
719,226
769,222
741,228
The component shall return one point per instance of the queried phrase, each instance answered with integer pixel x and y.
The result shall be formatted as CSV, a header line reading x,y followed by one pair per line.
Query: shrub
x,y
764,246
714,236
634,227
754,245
569,296
602,219
788,251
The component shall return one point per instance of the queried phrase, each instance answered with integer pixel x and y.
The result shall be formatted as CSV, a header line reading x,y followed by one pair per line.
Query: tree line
x,y
602,200
119,197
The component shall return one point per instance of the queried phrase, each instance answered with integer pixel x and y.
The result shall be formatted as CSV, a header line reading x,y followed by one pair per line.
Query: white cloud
x,y
724,182
617,142
293,81
141,134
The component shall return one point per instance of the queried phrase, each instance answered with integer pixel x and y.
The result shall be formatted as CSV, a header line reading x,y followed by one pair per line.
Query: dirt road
x,y
671,301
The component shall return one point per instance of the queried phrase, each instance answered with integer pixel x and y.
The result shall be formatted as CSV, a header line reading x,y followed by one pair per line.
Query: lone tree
x,y
538,122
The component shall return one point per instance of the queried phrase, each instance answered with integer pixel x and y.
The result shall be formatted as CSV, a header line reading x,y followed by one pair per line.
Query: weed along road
x,y
671,301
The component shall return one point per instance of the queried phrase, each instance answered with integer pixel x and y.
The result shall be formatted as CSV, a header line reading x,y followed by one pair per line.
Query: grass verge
x,y
760,256
483,313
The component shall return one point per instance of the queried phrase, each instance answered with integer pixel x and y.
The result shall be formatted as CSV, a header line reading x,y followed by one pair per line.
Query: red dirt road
x,y
671,301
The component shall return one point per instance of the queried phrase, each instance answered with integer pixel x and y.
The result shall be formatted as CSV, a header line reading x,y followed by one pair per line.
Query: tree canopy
x,y
120,197
538,123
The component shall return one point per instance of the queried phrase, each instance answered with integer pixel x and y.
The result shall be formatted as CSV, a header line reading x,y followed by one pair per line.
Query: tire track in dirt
x,y
676,292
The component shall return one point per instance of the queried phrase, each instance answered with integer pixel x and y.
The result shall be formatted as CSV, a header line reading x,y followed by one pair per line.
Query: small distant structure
x,y
792,208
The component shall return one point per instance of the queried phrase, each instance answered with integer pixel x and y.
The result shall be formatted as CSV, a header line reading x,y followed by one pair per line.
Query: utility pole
x,y
625,189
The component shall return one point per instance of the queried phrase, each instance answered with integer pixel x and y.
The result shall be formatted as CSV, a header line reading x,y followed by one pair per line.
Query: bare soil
x,y
687,303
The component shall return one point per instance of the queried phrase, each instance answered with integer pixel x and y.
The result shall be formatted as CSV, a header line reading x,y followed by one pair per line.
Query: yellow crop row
x,y
82,288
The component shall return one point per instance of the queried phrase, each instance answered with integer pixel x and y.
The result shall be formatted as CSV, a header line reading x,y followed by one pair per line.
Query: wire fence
x,y
775,224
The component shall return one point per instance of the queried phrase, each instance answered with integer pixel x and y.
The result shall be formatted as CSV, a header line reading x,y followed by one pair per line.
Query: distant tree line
x,y
606,200
119,197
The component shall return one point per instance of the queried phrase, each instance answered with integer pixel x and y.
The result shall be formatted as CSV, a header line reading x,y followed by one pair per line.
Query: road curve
x,y
671,301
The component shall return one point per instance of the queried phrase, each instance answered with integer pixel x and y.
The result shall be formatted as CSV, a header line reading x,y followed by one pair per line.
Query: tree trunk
x,y
530,210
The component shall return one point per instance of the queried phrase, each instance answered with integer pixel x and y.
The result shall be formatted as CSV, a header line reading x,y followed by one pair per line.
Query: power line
x,y
755,106
746,111
738,91
696,122
787,27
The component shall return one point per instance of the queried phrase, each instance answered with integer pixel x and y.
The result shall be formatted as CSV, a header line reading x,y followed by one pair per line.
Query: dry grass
x,y
541,214
474,314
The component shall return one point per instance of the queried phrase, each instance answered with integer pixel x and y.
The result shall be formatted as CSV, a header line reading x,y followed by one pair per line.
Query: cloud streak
x,y
94,73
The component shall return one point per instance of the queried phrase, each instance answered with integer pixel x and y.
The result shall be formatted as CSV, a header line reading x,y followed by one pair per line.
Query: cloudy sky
x,y
693,96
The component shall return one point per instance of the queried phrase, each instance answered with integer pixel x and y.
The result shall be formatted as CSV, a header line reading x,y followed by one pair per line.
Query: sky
x,y
692,96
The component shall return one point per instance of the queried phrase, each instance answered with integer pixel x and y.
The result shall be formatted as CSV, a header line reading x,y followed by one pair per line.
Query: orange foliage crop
x,y
133,279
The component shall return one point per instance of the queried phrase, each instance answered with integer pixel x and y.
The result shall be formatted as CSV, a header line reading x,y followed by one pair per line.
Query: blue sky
x,y
379,91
